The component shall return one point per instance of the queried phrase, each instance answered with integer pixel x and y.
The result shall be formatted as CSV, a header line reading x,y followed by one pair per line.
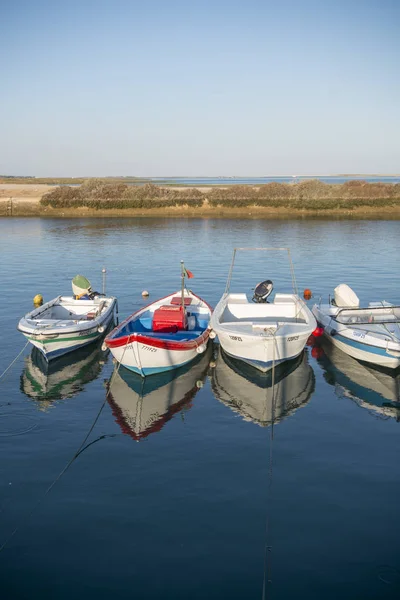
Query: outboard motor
x,y
262,291
82,289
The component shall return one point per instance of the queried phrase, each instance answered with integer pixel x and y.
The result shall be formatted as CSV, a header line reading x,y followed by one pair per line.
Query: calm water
x,y
262,180
173,498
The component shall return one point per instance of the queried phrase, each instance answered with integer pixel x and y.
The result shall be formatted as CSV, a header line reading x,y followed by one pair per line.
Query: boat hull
x,y
263,353
54,348
263,335
364,352
356,344
146,359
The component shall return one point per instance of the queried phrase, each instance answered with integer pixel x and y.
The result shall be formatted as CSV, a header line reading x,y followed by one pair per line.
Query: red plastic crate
x,y
169,319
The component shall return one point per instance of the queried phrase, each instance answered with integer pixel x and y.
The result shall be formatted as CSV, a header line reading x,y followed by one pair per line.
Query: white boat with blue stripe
x,y
370,333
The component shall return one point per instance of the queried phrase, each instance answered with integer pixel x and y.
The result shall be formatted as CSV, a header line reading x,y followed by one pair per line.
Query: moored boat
x,y
68,323
370,333
164,335
258,332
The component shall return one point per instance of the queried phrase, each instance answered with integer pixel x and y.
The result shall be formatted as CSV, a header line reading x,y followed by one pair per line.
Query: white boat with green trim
x,y
68,323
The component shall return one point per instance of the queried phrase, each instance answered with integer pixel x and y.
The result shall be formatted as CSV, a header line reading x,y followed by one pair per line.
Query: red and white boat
x,y
164,335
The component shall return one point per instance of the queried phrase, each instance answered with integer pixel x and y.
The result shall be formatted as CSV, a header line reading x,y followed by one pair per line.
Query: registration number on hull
x,y
149,348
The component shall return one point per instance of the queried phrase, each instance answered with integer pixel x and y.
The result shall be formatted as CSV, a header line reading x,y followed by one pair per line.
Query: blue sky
x,y
164,88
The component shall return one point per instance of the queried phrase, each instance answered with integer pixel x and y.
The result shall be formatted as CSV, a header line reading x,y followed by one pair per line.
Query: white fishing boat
x,y
68,323
164,335
370,334
142,406
373,388
258,332
263,398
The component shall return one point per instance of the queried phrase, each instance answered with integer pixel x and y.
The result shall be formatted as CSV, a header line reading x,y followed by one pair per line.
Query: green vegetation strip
x,y
306,195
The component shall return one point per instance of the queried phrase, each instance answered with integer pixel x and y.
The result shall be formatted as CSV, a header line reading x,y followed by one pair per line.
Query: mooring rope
x,y
13,361
267,579
79,451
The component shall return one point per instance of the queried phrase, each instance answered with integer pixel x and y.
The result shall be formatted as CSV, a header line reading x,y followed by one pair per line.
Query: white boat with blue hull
x,y
370,334
262,334
67,323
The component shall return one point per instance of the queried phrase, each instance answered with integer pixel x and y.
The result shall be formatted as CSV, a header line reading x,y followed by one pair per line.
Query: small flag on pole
x,y
185,271
188,273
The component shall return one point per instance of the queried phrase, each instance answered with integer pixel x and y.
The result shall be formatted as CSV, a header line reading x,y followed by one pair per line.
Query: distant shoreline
x,y
194,181
27,179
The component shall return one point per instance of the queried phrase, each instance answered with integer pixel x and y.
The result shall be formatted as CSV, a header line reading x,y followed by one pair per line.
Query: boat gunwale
x,y
79,327
228,326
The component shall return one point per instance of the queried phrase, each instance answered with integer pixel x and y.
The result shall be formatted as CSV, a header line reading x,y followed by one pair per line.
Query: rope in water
x,y
267,579
79,451
13,361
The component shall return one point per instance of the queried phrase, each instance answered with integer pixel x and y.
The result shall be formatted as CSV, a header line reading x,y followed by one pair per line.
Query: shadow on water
x,y
142,406
62,378
257,396
374,388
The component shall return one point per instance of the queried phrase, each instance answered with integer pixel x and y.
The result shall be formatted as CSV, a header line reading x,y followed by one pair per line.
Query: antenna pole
x,y
183,284
294,284
104,272
228,283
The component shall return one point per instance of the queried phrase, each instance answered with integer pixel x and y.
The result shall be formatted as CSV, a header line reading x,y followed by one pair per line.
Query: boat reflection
x,y
250,393
142,406
373,388
62,378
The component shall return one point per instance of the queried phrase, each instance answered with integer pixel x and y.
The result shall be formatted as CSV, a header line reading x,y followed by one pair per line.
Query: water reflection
x,y
373,388
251,393
62,378
142,406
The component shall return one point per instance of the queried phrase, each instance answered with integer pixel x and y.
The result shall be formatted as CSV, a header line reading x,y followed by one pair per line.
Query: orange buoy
x,y
307,294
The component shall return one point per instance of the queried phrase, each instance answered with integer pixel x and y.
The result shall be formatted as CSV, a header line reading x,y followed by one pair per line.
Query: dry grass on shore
x,y
312,195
